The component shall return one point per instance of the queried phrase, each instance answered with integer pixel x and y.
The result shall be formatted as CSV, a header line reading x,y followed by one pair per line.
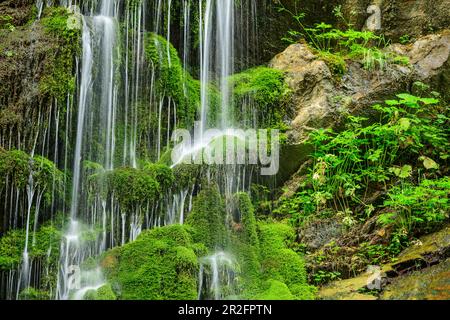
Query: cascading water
x,y
116,89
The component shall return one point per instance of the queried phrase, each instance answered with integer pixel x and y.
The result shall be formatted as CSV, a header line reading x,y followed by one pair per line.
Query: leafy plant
x,y
418,207
410,140
335,46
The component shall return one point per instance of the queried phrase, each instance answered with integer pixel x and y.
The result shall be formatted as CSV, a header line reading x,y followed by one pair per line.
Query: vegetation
x,y
371,186
395,169
12,245
335,46
17,167
175,83
58,79
207,218
161,264
281,264
265,90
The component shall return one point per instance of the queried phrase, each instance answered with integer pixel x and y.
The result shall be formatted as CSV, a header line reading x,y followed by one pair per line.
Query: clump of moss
x,y
33,294
208,218
275,290
12,245
104,293
263,89
176,83
58,78
281,263
245,243
160,265
131,187
162,173
18,166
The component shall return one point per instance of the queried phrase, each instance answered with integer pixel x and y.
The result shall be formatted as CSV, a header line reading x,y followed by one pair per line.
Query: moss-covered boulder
x,y
161,264
280,263
429,284
208,219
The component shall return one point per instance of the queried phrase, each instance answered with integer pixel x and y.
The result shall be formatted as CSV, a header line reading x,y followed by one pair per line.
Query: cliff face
x,y
37,69
412,18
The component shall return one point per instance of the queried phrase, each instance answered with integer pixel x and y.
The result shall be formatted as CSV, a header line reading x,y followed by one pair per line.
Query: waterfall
x,y
116,90
217,277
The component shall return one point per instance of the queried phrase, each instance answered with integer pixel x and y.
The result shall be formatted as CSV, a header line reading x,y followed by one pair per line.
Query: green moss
x,y
160,265
162,173
185,175
208,219
104,293
18,165
275,290
129,186
266,90
58,78
12,245
245,245
33,294
280,263
175,83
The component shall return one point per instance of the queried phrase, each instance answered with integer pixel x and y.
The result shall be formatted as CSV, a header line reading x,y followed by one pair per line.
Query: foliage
x,y
410,142
418,207
335,46
7,23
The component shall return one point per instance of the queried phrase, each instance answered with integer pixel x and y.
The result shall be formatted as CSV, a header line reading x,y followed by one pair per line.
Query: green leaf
x,y
404,124
403,172
429,163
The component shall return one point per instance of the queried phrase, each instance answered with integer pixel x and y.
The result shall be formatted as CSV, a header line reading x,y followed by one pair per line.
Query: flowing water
x,y
115,81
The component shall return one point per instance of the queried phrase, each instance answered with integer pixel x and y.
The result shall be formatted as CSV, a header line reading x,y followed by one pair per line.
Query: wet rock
x,y
422,271
429,250
349,289
429,284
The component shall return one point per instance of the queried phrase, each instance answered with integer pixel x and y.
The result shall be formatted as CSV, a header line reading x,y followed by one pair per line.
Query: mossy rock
x,y
104,293
280,263
160,265
208,219
429,284
430,249
276,291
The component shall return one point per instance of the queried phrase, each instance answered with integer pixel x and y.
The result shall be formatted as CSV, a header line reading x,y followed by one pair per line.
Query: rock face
x,y
413,18
311,82
430,284
319,101
421,272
